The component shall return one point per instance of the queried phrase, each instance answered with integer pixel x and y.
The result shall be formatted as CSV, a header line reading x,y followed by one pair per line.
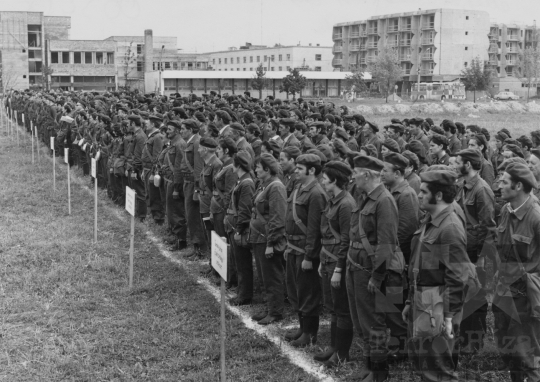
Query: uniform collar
x,y
522,210
376,192
400,187
440,217
471,183
309,186
336,199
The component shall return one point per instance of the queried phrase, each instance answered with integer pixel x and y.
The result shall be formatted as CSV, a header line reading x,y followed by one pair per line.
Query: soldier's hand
x,y
269,252
307,265
336,280
447,328
405,313
320,270
373,285
126,173
133,175
175,195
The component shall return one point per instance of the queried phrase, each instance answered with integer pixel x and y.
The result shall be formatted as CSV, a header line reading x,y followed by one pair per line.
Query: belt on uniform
x,y
231,211
356,245
290,247
356,265
330,241
204,193
215,193
329,254
295,237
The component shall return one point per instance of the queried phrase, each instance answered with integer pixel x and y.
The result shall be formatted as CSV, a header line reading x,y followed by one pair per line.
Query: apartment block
x,y
277,58
434,44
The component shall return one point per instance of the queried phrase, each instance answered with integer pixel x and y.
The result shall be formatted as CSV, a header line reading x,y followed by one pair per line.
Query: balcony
x,y
337,48
370,59
363,47
426,71
392,43
338,36
406,70
362,61
372,45
511,62
373,31
428,26
405,43
512,49
337,61
363,33
405,57
354,34
493,62
427,57
428,41
493,37
392,28
512,37
354,48
406,28
493,49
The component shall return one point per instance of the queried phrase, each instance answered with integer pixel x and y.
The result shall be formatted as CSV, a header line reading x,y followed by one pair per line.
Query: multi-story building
x,y
23,37
435,44
278,58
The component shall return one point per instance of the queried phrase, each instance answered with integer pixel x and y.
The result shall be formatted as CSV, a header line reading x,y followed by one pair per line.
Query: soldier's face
x,y
301,172
534,165
285,163
509,190
426,200
219,152
474,145
391,134
498,144
388,176
312,131
171,132
434,148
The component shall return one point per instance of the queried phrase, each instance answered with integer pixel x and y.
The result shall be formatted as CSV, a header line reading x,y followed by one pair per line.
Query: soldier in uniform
x,y
437,149
335,227
134,165
411,170
450,131
515,304
267,237
287,159
253,137
287,130
237,134
374,266
300,132
497,157
534,165
152,148
303,229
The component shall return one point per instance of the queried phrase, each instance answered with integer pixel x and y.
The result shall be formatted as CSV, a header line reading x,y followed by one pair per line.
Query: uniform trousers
x,y
270,271
336,300
193,215
140,204
176,213
153,197
218,220
244,269
303,287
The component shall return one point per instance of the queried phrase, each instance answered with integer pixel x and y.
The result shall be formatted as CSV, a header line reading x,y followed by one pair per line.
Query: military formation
x,y
398,232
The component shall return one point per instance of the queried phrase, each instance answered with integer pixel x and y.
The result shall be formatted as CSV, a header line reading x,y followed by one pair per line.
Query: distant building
x,y
278,58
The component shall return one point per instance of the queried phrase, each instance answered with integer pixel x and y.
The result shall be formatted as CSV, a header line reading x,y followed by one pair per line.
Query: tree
x,y
259,81
46,71
529,63
386,70
293,83
128,59
355,81
7,77
477,76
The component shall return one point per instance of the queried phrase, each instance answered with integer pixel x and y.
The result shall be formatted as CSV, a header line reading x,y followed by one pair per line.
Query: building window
x,y
466,33
250,58
139,48
54,57
99,58
225,60
88,57
280,57
265,58
220,60
65,57
317,68
288,57
466,17
272,69
244,69
272,58
36,54
167,65
213,61
77,58
466,48
288,68
264,68
279,68
237,60
318,57
139,66
110,58
34,66
250,69
258,58
465,64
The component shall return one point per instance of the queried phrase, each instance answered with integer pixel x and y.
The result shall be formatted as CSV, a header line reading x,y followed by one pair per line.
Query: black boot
x,y
295,334
325,355
309,334
379,372
343,344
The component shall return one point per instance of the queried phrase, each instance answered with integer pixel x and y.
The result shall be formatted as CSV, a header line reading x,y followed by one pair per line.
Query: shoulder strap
x,y
232,199
511,229
363,237
257,198
298,222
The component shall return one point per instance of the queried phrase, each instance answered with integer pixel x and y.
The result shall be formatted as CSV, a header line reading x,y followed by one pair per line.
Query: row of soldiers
x,y
391,229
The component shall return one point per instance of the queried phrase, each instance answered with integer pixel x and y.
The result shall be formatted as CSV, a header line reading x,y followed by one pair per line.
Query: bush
x,y
403,109
364,110
384,109
533,107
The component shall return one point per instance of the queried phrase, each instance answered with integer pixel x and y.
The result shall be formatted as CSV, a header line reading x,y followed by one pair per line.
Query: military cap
x,y
229,144
144,114
200,116
340,133
105,118
253,129
395,121
133,117
156,117
123,108
439,139
439,167
441,177
398,127
301,126
309,160
368,162
500,136
274,146
315,116
208,142
190,124
506,162
339,166
248,118
244,159
175,123
373,126
270,162
437,130
348,126
511,141
321,156
330,118
341,147
470,155
283,114
397,160
287,121
212,128
292,152
505,130
416,121
521,173
391,145
515,149
327,151
536,152
222,114
412,158
448,125
237,126
370,150
359,119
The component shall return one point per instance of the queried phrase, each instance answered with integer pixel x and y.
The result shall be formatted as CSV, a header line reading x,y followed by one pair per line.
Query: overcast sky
x,y
207,25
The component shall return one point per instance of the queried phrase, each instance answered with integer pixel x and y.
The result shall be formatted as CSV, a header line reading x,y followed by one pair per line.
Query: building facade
x,y
434,44
278,58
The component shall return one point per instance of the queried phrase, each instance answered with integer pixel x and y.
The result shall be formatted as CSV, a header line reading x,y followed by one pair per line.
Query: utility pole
x,y
160,69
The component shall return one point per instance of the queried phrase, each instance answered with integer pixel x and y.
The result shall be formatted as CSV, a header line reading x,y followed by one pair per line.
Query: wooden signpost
x,y
66,160
219,263
94,175
130,207
17,127
54,163
32,134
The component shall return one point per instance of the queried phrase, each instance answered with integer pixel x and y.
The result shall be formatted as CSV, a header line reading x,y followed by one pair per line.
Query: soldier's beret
x,y
156,117
441,177
470,155
370,150
309,159
253,128
398,127
339,166
439,139
448,124
521,173
515,149
190,124
437,130
248,118
327,151
301,126
506,162
536,152
230,145
341,147
200,116
270,162
105,118
391,145
134,117
244,159
397,160
369,163
373,126
144,114
274,146
417,147
315,116
292,152
287,121
330,118
283,114
412,158
341,134
208,142
511,141
123,108
395,121
237,126
416,121
174,122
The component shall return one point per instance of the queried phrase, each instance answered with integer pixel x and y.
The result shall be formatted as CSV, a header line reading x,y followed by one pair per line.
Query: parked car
x,y
505,95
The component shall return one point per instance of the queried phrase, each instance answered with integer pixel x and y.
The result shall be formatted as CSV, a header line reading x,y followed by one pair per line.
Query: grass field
x,y
67,314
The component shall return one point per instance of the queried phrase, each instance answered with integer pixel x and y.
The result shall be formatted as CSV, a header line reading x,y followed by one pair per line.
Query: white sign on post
x,y
52,143
130,201
66,155
22,115
93,172
219,255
